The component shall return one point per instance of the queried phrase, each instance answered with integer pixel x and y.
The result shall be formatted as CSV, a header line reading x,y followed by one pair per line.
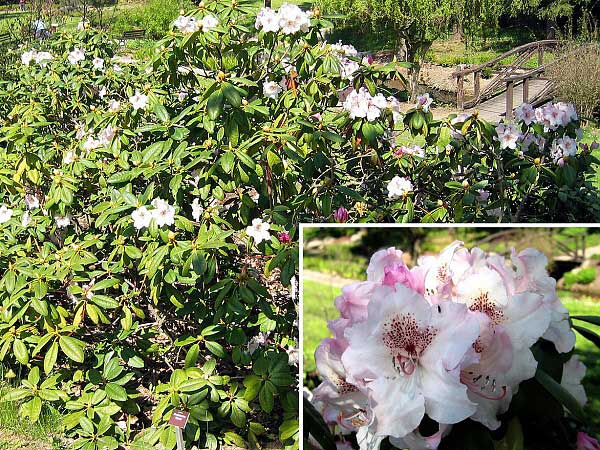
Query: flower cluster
x,y
162,213
552,116
40,58
289,19
449,338
189,24
361,104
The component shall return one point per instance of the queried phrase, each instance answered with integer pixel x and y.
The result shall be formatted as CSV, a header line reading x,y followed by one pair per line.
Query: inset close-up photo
x,y
451,338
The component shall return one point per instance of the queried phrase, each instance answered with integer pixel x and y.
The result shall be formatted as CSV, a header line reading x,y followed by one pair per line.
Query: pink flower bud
x,y
341,215
284,237
595,145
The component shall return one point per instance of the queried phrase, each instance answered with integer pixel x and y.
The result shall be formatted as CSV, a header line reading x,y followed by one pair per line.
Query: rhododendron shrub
x,y
462,343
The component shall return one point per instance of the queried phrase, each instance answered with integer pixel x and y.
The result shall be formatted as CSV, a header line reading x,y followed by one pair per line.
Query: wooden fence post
x,y
476,84
540,56
510,87
526,90
460,92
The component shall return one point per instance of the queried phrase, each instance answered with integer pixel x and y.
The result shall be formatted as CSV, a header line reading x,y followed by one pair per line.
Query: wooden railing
x,y
499,82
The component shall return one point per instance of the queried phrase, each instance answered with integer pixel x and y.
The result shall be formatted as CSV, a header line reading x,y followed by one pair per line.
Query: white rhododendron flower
x,y
410,150
90,144
98,63
292,19
107,135
508,135
31,201
573,372
27,57
259,230
399,187
114,106
187,24
561,148
209,22
424,102
525,113
361,104
76,55
5,213
138,100
25,219
163,213
197,209
62,221
141,217
69,157
272,89
42,58
267,20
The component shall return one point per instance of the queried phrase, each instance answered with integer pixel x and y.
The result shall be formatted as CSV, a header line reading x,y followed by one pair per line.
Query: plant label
x,y
179,418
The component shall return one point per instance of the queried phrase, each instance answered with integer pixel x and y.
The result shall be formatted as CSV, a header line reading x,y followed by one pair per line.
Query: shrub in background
x,y
580,276
577,78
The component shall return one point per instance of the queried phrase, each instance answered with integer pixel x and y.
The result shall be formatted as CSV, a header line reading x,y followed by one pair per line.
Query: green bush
x,y
580,276
155,16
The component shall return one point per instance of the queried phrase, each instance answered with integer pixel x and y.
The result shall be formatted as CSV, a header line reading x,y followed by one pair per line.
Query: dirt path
x,y
323,278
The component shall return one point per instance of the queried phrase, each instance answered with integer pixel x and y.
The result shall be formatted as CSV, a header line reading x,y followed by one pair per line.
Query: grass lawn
x,y
318,308
19,434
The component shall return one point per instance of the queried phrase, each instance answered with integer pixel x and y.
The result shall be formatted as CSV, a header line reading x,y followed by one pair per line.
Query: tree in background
x,y
417,23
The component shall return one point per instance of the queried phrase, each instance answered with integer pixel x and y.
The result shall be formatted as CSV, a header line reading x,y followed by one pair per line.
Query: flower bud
x,y
284,237
466,184
340,215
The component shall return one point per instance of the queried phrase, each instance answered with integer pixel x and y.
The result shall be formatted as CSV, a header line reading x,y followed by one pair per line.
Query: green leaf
x,y
513,440
590,319
192,356
252,384
15,394
161,112
238,417
50,358
315,426
232,95
588,334
116,392
560,394
266,397
215,348
20,351
214,105
73,348
227,162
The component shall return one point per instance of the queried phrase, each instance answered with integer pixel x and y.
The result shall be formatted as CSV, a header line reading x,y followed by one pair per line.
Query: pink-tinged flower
x,y
354,301
284,237
387,267
267,19
413,353
424,102
340,215
525,113
585,442
340,402
573,372
508,135
531,275
510,321
163,213
483,195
